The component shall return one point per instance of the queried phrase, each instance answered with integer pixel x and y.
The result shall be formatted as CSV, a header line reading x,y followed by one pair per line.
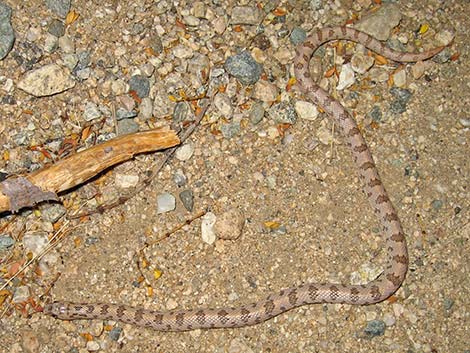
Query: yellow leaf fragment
x,y
424,28
157,273
72,16
272,225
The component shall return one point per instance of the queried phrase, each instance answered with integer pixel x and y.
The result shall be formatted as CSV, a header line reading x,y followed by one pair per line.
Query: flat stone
x,y
166,202
245,15
207,228
46,81
7,35
59,7
380,23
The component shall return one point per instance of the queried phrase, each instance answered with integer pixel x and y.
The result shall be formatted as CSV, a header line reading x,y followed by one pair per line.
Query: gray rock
x,y
402,96
437,204
375,328
21,295
127,126
256,113
245,15
146,108
297,35
181,112
46,81
229,225
52,212
187,198
35,242
122,114
375,113
91,111
140,84
7,35
243,67
60,7
6,242
380,23
115,333
166,202
56,28
283,113
231,129
179,178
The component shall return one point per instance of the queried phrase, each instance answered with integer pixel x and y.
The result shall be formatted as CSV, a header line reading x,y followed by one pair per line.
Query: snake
x,y
377,290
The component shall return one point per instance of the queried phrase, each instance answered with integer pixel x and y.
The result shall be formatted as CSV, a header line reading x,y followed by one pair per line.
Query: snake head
x,y
57,309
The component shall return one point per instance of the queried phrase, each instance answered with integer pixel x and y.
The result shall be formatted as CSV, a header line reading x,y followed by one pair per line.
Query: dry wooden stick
x,y
153,173
45,183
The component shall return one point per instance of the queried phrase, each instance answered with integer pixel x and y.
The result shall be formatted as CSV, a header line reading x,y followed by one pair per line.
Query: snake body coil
x,y
310,293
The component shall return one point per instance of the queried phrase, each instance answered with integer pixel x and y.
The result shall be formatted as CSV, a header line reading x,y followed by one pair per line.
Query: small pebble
x,y
126,181
179,178
92,346
166,202
115,333
56,28
375,114
375,328
256,113
185,152
181,112
231,129
229,225
361,63
146,108
6,242
224,105
283,113
67,45
265,91
52,212
243,67
183,52
123,114
399,78
298,35
22,294
127,126
91,111
46,81
7,34
389,320
437,204
245,15
306,110
207,228
59,7
402,96
346,77
448,304
35,242
171,304
380,23
30,341
187,198
140,85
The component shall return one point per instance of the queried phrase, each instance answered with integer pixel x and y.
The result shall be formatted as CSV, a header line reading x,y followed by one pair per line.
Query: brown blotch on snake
x,y
310,293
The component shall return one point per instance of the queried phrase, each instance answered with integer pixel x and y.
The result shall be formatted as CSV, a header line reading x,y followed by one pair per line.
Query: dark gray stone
x,y
243,67
140,84
7,35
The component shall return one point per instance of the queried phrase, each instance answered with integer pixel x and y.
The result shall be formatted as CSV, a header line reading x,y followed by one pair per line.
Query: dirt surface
x,y
305,216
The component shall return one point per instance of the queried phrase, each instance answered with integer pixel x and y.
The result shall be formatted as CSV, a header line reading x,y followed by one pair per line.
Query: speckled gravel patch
x,y
266,165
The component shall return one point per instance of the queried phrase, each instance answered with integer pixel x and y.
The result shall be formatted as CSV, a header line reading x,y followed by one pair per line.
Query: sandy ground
x,y
327,232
